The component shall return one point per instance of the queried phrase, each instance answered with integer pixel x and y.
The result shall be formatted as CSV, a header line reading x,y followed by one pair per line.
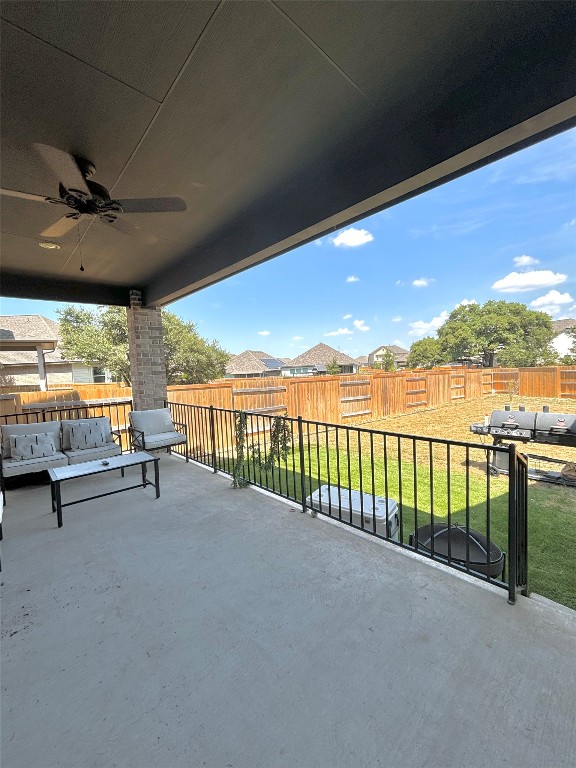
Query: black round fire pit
x,y
458,537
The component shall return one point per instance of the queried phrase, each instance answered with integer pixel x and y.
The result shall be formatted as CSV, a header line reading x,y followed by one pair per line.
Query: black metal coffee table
x,y
58,475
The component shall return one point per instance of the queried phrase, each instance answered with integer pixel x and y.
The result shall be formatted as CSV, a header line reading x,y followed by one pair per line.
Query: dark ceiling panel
x,y
406,56
254,102
27,256
142,44
50,98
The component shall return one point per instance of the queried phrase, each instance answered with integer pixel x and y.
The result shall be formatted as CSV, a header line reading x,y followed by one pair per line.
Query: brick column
x,y
146,352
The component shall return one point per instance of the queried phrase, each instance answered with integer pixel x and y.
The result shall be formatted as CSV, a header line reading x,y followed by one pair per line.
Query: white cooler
x,y
352,507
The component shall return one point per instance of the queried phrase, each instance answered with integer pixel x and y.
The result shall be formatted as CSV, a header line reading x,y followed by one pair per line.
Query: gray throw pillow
x,y
86,436
37,446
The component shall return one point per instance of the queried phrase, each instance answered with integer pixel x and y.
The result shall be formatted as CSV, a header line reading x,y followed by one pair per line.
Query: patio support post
x,y
41,369
146,352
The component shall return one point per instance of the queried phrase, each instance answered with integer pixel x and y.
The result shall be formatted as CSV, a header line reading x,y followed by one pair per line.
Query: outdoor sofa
x,y
36,447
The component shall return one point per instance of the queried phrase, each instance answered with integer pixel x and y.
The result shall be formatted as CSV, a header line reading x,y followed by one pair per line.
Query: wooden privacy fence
x,y
550,381
339,399
334,399
17,399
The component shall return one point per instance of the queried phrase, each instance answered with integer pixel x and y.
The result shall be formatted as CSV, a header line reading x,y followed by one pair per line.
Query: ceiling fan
x,y
87,198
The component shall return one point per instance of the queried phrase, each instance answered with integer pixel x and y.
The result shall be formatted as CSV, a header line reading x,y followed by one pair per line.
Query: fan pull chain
x,y
80,246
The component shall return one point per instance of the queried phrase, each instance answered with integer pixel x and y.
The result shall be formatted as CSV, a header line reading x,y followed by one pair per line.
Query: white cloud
x,y
264,333
339,332
297,338
421,328
318,241
423,282
571,223
465,303
528,281
397,319
525,261
360,325
552,297
352,238
346,317
352,279
399,282
551,302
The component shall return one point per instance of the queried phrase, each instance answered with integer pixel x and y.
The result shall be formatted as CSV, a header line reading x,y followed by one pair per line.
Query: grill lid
x,y
561,424
512,420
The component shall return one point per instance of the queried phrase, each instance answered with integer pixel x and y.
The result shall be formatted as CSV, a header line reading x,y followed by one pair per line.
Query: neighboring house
x,y
29,344
400,355
314,362
252,364
563,342
362,360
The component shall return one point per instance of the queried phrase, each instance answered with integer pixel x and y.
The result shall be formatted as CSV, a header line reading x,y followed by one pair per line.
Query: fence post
x,y
512,524
302,463
213,439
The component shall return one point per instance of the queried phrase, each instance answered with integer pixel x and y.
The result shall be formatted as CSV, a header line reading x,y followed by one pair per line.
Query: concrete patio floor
x,y
217,627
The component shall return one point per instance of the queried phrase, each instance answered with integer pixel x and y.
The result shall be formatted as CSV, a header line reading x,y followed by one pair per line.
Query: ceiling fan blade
x,y
61,227
153,205
65,169
121,225
28,196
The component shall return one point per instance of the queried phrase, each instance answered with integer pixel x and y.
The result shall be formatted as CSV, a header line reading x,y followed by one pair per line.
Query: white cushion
x,y
152,422
86,435
12,467
67,424
52,427
92,454
38,446
161,440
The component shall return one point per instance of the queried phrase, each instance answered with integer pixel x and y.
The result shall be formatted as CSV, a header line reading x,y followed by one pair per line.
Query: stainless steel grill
x,y
530,427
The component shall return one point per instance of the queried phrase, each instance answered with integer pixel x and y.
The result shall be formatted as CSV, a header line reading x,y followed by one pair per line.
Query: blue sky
x,y
507,231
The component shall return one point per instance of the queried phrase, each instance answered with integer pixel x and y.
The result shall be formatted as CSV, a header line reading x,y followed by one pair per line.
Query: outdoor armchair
x,y
150,430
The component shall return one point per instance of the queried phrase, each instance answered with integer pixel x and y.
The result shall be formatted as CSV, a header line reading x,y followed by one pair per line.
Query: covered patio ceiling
x,y
274,122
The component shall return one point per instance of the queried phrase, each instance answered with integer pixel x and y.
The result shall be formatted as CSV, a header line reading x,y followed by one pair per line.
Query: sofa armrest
x,y
182,425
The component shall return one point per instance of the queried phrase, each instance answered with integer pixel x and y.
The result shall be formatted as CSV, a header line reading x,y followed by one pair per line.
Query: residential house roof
x,y
563,325
321,355
400,354
253,361
362,360
28,328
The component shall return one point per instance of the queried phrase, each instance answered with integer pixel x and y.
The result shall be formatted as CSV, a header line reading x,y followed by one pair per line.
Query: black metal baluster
x,y
431,471
468,509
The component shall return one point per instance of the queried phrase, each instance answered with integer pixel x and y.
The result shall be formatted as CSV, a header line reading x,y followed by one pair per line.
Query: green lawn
x,y
552,509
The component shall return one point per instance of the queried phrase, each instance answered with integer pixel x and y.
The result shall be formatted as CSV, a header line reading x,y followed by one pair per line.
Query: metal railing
x,y
438,498
116,410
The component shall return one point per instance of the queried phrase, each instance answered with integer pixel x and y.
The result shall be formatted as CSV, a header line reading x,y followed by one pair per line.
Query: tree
x,y
100,337
426,353
333,368
387,363
506,331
